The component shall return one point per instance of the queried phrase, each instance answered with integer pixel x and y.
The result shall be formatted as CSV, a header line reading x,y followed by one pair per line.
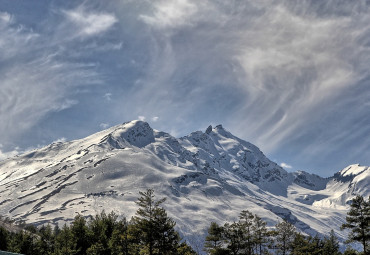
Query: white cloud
x,y
155,119
90,23
142,118
104,125
5,17
108,96
60,140
285,165
170,14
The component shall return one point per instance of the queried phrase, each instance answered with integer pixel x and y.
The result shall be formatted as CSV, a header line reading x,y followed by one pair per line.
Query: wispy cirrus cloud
x,y
290,76
14,38
38,76
171,14
277,73
89,23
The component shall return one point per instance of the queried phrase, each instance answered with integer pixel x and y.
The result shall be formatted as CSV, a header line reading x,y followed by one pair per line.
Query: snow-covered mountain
x,y
206,176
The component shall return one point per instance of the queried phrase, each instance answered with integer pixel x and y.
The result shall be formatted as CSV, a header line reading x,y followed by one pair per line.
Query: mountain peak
x,y
209,129
215,129
219,129
134,123
137,133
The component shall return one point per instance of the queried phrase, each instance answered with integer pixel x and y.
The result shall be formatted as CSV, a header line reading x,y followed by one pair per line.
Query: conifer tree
x,y
246,223
331,244
300,245
45,243
80,235
156,229
284,236
185,249
101,228
233,237
350,251
168,238
4,239
64,242
134,237
358,221
316,245
97,249
119,242
24,243
260,235
214,238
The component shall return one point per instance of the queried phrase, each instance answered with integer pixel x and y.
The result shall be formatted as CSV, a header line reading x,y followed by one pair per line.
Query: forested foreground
x,y
151,231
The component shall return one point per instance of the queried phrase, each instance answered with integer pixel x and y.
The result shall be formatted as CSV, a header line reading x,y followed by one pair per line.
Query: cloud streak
x,y
38,78
279,71
89,23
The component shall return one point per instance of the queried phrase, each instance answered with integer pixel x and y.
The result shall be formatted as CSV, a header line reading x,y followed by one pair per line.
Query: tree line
x,y
250,236
150,231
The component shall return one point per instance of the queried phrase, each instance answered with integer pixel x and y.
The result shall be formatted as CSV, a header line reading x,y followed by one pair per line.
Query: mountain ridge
x,y
206,176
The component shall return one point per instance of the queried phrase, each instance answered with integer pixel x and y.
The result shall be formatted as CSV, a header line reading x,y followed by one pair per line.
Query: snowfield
x,y
205,176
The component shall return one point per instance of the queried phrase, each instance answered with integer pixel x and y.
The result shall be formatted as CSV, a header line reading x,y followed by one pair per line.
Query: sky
x,y
291,77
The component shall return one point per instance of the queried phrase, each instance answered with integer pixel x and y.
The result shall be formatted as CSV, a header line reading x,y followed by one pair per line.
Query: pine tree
x,y
45,243
214,238
119,242
64,244
246,222
316,245
350,251
156,229
185,249
300,245
234,237
284,236
97,249
168,238
4,239
101,229
358,220
80,235
135,238
260,235
331,244
24,243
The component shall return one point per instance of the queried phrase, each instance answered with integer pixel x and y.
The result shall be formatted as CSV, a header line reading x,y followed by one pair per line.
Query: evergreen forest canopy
x,y
151,232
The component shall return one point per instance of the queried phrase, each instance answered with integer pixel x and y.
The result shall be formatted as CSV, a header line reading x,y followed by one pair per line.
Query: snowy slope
x,y
206,176
346,184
